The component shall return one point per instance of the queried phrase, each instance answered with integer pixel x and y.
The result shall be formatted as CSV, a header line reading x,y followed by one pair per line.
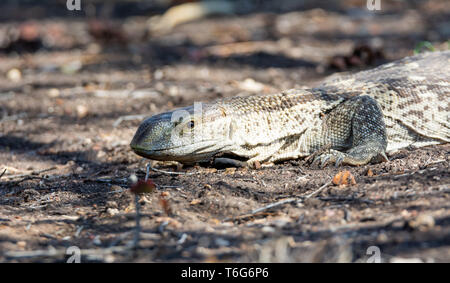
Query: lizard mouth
x,y
170,153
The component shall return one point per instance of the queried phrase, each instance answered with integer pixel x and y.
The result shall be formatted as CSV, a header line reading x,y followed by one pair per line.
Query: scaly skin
x,y
357,118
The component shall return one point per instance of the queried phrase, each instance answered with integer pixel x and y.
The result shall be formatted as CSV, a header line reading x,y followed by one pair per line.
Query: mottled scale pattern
x,y
413,93
349,118
288,123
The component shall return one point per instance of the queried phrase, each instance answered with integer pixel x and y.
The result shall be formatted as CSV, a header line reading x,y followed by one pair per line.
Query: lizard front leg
x,y
357,133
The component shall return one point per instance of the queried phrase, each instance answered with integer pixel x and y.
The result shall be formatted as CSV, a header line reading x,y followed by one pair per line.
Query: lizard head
x,y
188,135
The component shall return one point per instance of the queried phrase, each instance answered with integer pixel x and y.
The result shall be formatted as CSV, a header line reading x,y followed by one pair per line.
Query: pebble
x,y
133,178
222,242
251,85
158,75
111,204
14,75
82,111
116,188
72,67
53,92
97,241
112,211
268,230
422,221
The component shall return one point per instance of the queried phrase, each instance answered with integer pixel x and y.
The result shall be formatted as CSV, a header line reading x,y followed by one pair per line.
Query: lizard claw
x,y
339,161
324,160
316,160
333,156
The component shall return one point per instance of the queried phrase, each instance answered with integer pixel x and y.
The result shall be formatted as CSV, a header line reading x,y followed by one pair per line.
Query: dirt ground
x,y
69,82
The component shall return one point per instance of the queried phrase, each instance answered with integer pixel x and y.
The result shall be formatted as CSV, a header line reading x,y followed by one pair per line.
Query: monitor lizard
x,y
348,119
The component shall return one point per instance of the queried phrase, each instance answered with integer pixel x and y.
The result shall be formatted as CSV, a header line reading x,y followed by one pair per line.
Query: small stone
x,y
14,75
101,154
111,204
268,230
382,238
222,242
133,178
21,244
87,141
116,188
112,211
82,111
173,91
422,222
250,85
280,222
158,75
53,92
96,241
72,67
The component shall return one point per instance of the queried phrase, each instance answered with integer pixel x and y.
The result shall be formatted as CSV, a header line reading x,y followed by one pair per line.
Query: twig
x,y
26,178
318,190
170,187
31,173
290,200
171,172
434,162
1,175
147,171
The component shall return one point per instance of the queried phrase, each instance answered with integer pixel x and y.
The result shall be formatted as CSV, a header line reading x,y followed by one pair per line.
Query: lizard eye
x,y
188,127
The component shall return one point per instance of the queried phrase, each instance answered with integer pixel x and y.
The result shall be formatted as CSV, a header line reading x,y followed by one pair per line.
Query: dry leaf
x,y
344,178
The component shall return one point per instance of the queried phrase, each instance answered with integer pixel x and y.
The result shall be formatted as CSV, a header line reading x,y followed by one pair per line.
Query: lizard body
x,y
356,117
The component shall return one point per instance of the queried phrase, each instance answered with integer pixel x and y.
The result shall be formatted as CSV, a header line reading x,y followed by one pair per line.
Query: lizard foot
x,y
359,155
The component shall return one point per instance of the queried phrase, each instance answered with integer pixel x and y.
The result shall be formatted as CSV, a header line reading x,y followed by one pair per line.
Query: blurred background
x,y
171,52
